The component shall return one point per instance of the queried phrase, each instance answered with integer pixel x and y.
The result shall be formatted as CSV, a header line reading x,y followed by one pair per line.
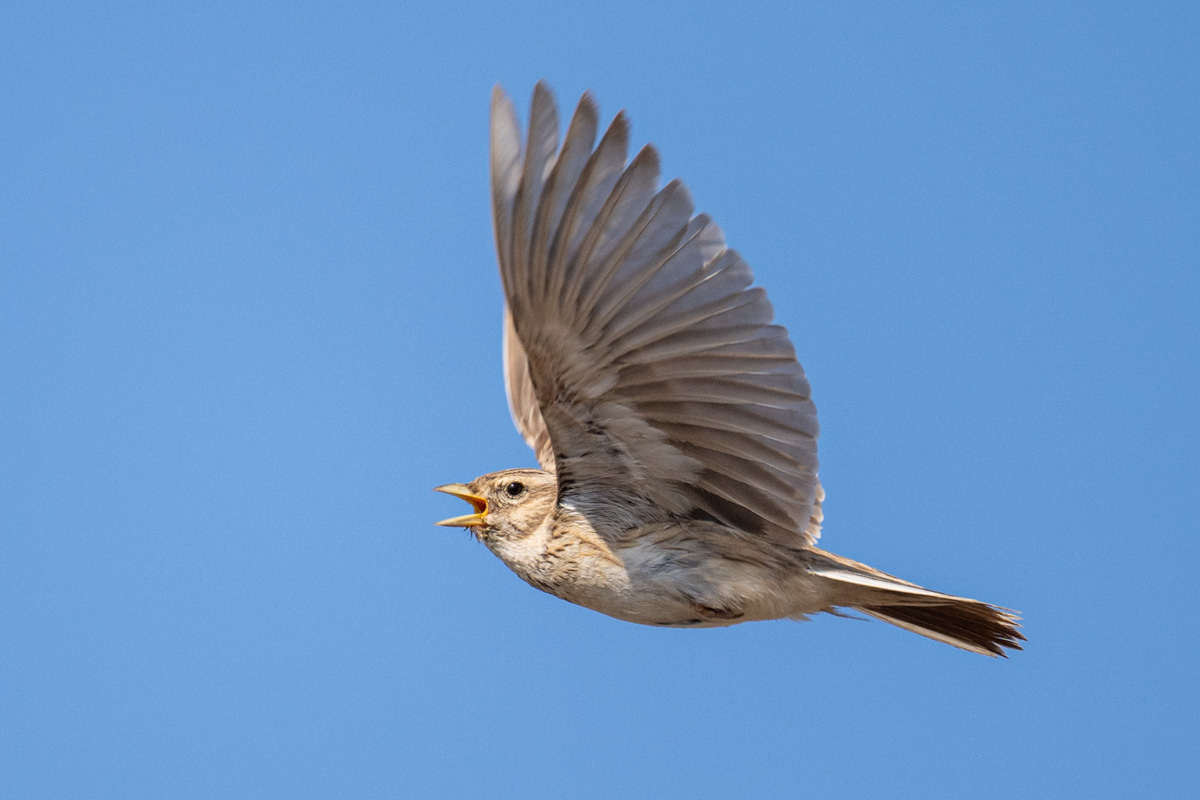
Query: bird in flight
x,y
674,426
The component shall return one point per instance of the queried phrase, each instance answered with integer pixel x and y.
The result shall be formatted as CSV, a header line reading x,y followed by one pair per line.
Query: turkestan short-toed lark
x,y
677,438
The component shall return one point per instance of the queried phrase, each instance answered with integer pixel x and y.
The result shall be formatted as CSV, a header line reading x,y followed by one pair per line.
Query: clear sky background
x,y
250,315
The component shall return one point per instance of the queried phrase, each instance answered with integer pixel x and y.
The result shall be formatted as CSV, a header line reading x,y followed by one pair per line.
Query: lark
x,y
675,429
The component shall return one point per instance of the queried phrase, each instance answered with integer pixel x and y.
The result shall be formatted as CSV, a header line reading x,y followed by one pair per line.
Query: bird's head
x,y
508,505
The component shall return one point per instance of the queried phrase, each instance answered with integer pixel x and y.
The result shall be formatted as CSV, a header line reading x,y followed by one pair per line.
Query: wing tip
x,y
648,158
542,94
504,121
587,101
618,129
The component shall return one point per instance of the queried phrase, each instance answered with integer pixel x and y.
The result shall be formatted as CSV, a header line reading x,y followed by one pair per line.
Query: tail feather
x,y
959,621
968,624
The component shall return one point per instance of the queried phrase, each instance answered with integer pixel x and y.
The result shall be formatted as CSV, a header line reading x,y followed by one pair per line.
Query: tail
x,y
958,621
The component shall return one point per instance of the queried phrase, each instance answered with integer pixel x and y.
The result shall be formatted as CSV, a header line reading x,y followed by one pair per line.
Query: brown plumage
x,y
675,428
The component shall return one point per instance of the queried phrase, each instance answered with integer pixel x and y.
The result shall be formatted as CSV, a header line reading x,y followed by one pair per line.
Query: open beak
x,y
467,520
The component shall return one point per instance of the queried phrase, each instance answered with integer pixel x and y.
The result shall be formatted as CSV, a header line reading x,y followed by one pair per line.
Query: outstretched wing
x,y
640,364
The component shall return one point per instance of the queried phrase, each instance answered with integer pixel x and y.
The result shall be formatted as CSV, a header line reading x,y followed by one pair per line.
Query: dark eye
x,y
515,489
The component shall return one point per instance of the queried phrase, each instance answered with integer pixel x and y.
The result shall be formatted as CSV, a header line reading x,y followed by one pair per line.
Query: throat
x,y
562,557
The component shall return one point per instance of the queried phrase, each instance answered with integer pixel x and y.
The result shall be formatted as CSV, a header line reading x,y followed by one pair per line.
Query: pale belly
x,y
671,574
664,587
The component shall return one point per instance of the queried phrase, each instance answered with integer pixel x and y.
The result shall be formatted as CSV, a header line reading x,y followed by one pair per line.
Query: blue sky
x,y
249,315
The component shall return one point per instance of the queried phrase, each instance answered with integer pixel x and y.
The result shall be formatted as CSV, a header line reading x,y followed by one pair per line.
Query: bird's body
x,y
658,570
671,418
